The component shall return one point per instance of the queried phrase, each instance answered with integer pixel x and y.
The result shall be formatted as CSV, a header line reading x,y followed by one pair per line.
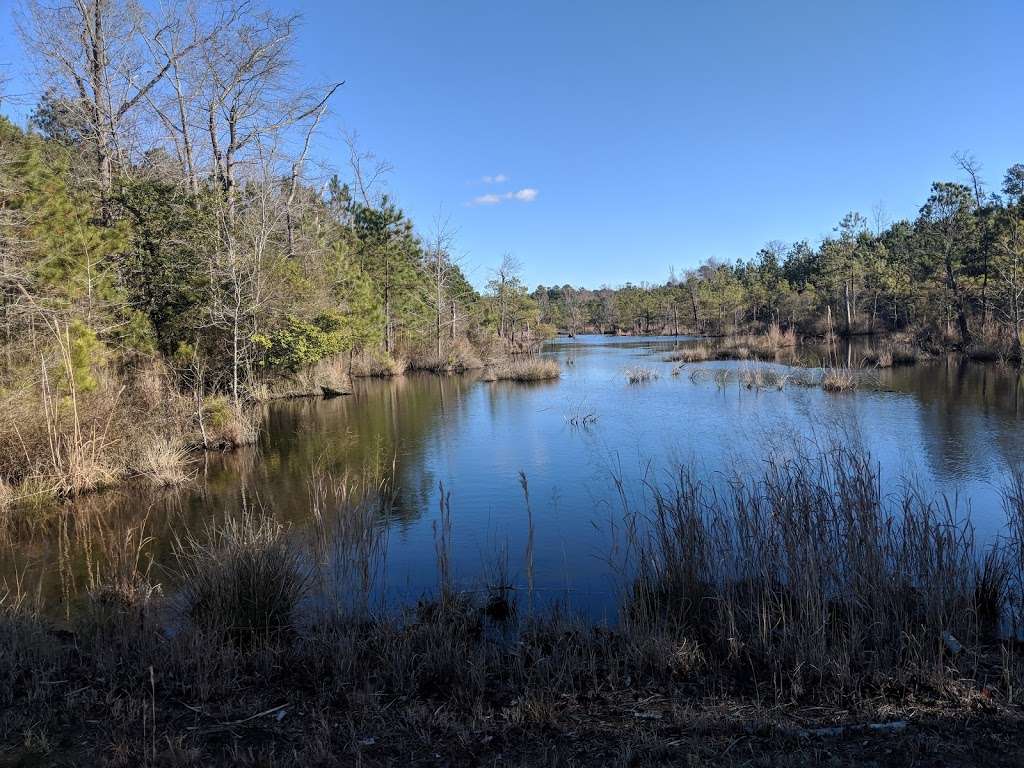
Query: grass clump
x,y
640,375
524,369
838,379
370,365
226,425
164,461
689,355
243,580
890,356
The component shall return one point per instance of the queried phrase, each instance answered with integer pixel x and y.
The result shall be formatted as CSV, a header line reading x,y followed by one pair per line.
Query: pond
x,y
952,426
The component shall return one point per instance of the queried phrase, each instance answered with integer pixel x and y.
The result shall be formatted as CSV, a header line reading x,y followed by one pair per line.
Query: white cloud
x,y
487,200
500,178
524,195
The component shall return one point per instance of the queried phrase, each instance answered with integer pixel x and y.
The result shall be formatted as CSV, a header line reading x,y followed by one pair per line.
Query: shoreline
x,y
234,652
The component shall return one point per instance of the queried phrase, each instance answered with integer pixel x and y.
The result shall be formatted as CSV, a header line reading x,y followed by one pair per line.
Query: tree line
x,y
161,201
953,276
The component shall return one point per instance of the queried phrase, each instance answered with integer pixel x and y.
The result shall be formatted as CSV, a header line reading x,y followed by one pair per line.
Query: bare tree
x,y
505,280
971,166
440,267
368,171
105,58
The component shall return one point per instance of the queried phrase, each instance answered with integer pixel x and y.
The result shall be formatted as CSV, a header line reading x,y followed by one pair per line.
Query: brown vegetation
x,y
532,368
796,607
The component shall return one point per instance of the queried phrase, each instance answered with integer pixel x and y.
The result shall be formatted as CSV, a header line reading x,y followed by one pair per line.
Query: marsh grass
x,y
754,377
803,590
687,355
377,365
528,368
640,375
461,357
242,579
809,577
164,462
226,425
836,378
890,356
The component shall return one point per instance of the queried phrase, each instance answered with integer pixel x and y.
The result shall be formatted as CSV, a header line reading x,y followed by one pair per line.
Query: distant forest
x,y
954,276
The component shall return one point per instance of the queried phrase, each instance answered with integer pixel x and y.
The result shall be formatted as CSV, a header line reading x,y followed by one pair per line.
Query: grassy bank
x,y
802,616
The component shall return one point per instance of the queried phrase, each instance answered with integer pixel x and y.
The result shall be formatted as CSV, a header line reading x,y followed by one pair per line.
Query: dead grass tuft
x,y
531,368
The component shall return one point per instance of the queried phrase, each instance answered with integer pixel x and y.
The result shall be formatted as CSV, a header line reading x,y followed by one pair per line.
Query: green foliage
x,y
86,353
162,264
300,343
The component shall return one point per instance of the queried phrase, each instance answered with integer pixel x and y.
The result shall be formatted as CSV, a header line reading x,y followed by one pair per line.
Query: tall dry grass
x,y
809,576
837,378
242,579
687,355
530,368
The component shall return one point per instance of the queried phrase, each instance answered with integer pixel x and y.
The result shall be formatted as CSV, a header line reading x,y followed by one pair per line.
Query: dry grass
x,y
225,425
242,579
460,357
809,574
760,377
376,365
836,378
777,338
640,375
803,598
524,369
754,377
890,356
164,461
326,378
688,355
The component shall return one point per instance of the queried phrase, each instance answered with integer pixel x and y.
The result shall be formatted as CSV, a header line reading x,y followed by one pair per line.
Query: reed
x,y
164,462
808,576
374,365
640,375
530,368
835,378
687,355
241,579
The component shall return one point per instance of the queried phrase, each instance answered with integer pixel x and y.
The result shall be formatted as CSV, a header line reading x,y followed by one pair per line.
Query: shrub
x,y
301,343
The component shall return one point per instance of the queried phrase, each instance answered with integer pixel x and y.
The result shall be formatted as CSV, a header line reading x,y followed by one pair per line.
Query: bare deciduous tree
x,y
104,58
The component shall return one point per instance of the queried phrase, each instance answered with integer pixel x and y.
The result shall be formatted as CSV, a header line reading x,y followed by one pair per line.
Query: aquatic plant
x,y
640,375
530,368
836,378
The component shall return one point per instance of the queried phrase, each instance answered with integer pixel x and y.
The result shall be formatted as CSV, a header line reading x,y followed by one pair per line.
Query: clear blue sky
x,y
661,133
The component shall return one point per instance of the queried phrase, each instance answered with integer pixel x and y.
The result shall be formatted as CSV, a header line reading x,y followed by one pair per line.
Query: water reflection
x,y
954,424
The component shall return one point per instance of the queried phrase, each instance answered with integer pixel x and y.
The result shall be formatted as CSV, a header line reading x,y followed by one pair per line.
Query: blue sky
x,y
644,135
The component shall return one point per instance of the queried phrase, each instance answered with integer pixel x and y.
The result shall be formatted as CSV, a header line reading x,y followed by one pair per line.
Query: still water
x,y
951,426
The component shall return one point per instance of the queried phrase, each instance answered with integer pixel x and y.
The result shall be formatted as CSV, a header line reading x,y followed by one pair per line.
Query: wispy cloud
x,y
524,195
499,178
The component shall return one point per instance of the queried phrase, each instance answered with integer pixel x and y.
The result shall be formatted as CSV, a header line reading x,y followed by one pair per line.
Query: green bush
x,y
301,343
